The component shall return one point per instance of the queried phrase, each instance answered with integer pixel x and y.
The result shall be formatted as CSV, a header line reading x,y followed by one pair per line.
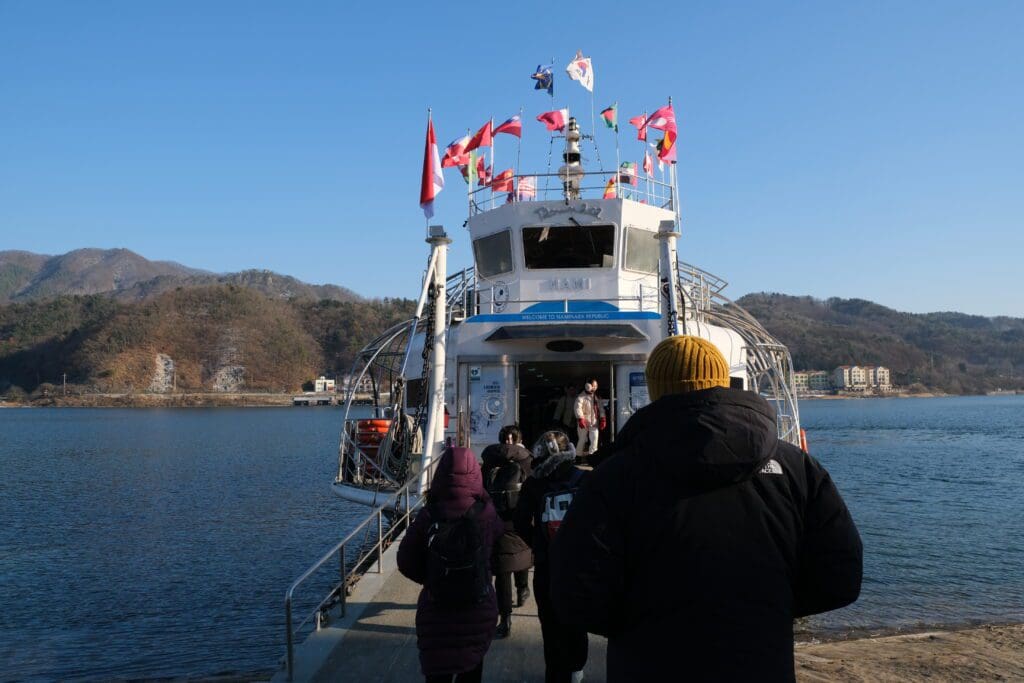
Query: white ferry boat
x,y
577,279
565,287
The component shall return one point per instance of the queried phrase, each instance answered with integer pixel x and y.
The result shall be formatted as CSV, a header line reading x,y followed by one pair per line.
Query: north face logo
x,y
771,467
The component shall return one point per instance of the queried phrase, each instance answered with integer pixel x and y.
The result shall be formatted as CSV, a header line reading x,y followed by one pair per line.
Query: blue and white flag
x,y
545,77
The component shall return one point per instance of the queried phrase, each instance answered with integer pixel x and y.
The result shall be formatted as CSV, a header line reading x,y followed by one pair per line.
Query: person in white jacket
x,y
589,418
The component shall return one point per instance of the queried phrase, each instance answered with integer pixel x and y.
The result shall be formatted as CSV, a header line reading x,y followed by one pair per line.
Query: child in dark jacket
x,y
554,469
512,555
452,639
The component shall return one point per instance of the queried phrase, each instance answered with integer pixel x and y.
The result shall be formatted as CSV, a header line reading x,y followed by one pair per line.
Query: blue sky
x,y
868,149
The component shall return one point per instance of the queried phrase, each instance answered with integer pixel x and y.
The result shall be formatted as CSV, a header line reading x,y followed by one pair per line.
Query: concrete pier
x,y
376,641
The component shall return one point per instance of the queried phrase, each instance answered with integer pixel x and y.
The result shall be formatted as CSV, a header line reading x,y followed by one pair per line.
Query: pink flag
x,y
514,126
648,164
641,126
455,154
554,120
433,175
663,119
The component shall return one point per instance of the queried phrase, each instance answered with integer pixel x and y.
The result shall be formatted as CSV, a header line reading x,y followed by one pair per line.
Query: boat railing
x,y
769,363
467,298
593,185
398,506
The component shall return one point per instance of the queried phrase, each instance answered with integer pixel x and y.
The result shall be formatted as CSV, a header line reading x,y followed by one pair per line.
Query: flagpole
x,y
675,178
469,181
519,145
616,105
492,163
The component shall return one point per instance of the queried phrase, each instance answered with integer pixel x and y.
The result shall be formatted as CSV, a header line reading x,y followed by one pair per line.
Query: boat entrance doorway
x,y
543,400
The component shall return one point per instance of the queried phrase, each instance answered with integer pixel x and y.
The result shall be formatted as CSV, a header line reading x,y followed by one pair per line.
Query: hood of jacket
x,y
496,454
457,482
703,439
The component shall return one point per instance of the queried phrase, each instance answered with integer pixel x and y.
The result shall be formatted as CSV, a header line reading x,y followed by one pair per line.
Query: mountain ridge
x,y
127,276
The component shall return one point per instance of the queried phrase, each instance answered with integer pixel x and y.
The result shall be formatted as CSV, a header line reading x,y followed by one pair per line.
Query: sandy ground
x,y
984,653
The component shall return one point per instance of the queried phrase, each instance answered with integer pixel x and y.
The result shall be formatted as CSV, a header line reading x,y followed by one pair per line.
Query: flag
x,y
611,116
663,119
514,126
641,126
545,78
554,120
667,146
609,189
455,153
648,163
503,182
526,188
657,149
483,172
482,138
627,173
433,175
581,70
469,171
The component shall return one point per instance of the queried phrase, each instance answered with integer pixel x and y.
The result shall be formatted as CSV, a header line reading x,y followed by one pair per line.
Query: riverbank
x,y
982,653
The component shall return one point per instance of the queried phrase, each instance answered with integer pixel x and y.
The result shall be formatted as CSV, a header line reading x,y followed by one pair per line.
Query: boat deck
x,y
376,641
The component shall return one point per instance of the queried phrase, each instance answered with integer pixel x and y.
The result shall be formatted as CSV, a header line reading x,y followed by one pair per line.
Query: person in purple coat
x,y
452,639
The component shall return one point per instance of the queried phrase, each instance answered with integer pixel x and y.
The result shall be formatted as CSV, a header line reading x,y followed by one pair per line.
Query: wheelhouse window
x,y
493,254
641,251
569,246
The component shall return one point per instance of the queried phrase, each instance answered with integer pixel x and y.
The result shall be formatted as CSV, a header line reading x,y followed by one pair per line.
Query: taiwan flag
x,y
433,175
554,120
514,126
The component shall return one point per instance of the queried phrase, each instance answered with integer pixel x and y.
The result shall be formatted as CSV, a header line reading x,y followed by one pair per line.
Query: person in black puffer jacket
x,y
555,473
699,540
506,465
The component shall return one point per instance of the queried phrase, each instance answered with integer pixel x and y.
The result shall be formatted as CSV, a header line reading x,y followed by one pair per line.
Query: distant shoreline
x,y
176,400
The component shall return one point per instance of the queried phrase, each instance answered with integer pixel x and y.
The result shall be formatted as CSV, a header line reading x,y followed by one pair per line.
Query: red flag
x,y
667,146
483,172
663,119
503,181
641,126
433,175
554,120
482,138
514,126
455,154
648,164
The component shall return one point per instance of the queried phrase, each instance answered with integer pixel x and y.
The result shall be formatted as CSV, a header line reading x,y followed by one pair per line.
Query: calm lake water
x,y
149,543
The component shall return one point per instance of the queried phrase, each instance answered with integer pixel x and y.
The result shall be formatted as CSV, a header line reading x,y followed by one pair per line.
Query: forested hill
x,y
208,338
950,352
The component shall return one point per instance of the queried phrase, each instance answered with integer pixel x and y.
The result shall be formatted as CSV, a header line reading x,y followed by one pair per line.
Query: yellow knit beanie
x,y
680,364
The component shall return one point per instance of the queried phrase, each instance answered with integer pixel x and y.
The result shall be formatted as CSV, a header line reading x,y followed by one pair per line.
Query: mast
x,y
433,435
571,172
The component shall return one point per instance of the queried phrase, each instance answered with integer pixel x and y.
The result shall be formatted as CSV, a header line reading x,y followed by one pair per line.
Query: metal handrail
x,y
339,593
653,191
768,360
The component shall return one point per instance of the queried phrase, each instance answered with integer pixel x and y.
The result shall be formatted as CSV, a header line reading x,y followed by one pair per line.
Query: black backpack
x,y
457,559
503,484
